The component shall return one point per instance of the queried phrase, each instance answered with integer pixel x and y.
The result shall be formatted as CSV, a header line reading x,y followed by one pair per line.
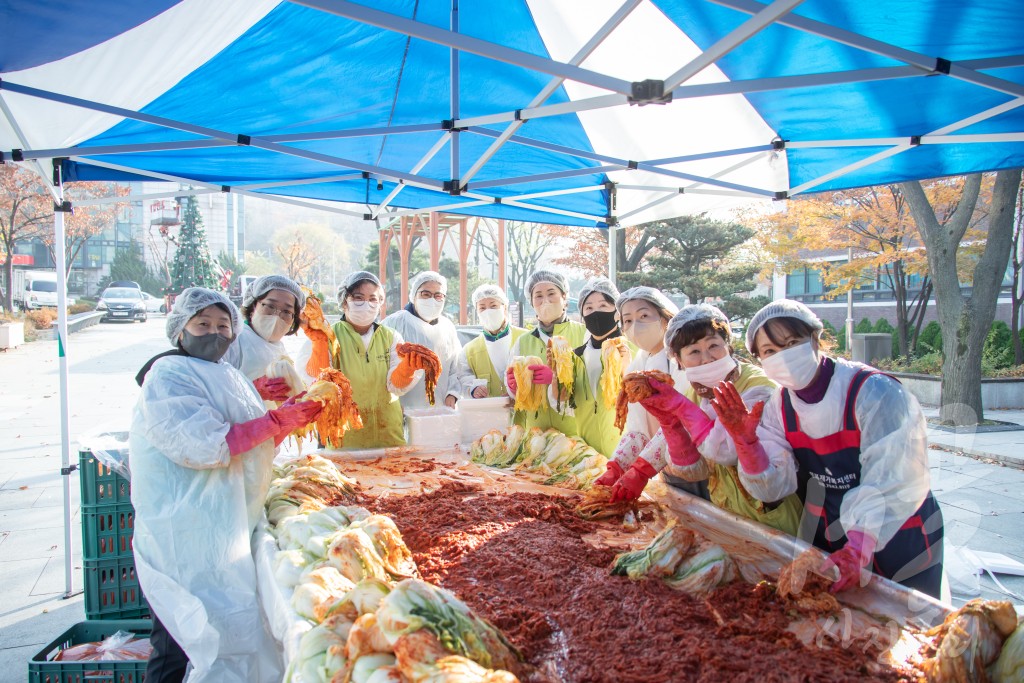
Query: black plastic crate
x,y
107,531
100,484
112,590
42,670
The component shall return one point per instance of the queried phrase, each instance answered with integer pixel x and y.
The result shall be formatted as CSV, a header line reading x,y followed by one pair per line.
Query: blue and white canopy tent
x,y
555,111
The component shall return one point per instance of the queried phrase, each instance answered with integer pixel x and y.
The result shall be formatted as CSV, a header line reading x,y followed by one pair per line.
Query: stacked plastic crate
x,y
113,599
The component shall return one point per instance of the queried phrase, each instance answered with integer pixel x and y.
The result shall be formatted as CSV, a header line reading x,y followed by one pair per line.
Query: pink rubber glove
x,y
541,374
612,473
291,415
850,559
631,484
669,407
276,424
681,449
272,389
510,380
742,426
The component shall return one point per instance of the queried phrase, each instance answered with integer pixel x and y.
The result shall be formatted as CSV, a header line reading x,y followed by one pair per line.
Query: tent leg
x,y
502,282
62,335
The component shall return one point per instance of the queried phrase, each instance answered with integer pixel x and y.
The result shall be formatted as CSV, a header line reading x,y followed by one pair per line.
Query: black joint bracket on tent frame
x,y
609,185
452,187
611,221
650,91
449,124
244,140
367,216
632,165
518,114
915,140
942,66
66,471
497,200
779,196
225,188
778,144
63,207
17,155
682,190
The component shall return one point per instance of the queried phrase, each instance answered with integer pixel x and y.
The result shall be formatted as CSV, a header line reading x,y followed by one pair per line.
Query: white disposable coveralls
x,y
443,340
251,353
196,508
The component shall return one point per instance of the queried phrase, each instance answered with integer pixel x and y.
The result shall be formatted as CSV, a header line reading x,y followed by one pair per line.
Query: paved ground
x,y
982,500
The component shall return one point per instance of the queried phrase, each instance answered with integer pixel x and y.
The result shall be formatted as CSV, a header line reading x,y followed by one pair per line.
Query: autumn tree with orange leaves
x,y
587,248
876,224
25,210
84,222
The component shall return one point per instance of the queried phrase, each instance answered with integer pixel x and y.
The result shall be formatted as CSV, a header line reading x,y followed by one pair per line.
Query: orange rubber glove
x,y
404,372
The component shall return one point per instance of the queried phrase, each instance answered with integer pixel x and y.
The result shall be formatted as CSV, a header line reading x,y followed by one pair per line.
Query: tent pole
x,y
613,255
502,280
59,209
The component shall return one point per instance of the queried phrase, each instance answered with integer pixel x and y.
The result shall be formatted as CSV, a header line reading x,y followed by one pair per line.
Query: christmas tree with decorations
x,y
192,266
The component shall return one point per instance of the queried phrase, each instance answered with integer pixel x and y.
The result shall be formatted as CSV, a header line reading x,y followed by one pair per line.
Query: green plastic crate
x,y
107,531
100,484
42,670
112,590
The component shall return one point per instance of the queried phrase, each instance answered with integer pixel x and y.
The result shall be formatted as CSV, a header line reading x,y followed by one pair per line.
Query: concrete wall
x,y
995,393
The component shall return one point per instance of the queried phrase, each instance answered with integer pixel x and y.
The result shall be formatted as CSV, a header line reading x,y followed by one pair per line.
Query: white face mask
x,y
270,327
493,319
360,313
549,312
793,368
428,309
710,374
646,335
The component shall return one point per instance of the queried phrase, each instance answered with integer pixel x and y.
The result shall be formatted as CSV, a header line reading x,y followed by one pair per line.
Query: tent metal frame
x,y
910,64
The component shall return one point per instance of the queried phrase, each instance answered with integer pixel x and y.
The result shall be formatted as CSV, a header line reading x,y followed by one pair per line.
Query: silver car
x,y
122,303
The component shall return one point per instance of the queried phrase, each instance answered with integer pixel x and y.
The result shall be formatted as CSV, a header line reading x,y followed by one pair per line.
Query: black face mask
x,y
210,347
600,323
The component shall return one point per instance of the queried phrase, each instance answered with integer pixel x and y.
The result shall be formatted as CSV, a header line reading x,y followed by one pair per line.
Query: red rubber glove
x,y
669,407
510,381
541,374
742,426
850,560
631,484
276,424
612,473
272,388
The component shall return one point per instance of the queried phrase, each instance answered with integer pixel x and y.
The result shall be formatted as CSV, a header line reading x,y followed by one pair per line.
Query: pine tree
x,y
192,266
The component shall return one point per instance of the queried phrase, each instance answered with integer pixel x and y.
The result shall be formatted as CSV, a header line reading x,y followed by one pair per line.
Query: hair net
x,y
650,294
354,279
783,308
423,278
193,300
540,276
598,284
489,292
689,314
264,284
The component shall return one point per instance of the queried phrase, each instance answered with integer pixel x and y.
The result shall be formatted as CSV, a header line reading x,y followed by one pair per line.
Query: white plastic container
x,y
436,427
477,416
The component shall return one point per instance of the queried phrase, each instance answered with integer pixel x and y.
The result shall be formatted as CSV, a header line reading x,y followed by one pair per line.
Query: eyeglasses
x,y
360,299
436,296
282,313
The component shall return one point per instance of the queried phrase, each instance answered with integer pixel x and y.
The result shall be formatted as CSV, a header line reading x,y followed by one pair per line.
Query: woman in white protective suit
x,y
202,446
858,453
422,322
270,312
